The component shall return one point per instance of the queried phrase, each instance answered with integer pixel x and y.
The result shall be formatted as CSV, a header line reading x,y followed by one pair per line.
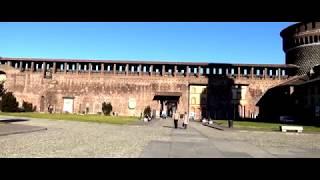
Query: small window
x,y
201,70
208,71
195,70
193,100
232,71
214,71
220,70
245,71
227,71
258,72
194,90
203,100
204,91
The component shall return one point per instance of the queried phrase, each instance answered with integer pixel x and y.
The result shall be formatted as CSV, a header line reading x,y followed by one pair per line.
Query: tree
x,y
2,90
9,103
106,108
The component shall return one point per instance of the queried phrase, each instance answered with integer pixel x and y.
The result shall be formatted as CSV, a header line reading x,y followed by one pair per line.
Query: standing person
x,y
175,119
182,120
185,120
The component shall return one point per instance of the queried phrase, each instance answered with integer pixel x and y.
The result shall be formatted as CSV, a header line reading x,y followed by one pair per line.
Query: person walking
x,y
185,120
175,119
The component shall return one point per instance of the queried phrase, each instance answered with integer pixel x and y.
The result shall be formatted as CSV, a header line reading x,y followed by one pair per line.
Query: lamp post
x,y
234,102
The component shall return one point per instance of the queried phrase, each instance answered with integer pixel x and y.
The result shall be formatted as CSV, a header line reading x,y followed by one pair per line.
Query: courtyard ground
x,y
155,139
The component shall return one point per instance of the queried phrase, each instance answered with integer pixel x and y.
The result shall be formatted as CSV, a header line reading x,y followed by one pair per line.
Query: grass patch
x,y
76,117
263,126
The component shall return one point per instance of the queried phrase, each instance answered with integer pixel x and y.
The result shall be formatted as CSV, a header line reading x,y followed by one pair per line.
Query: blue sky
x,y
219,42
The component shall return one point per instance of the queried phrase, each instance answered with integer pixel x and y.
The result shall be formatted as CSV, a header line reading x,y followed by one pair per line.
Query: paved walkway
x,y
194,143
190,143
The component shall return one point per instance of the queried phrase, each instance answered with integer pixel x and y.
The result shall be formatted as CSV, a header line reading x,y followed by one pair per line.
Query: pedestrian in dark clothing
x,y
175,119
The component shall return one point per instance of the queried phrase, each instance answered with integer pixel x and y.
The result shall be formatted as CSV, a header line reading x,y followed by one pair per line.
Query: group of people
x,y
184,118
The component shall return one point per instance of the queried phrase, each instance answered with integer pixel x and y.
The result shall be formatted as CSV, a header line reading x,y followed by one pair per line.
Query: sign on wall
x,y
68,105
132,103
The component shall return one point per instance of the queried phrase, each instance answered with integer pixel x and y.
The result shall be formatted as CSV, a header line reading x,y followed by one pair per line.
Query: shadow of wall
x,y
219,102
280,101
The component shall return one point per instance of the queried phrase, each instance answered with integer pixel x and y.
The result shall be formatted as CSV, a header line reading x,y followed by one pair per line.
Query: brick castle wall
x,y
89,91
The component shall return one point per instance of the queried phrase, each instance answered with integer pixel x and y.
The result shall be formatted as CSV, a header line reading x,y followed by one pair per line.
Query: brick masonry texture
x,y
301,43
306,57
90,90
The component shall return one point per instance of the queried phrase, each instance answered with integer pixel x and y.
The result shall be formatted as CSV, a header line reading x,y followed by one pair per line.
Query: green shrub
x,y
147,112
9,103
28,107
106,108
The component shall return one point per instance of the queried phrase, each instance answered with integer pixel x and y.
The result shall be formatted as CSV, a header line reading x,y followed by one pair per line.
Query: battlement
x,y
300,34
48,67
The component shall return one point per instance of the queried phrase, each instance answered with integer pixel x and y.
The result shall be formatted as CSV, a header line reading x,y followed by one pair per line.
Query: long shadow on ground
x,y
12,120
172,127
